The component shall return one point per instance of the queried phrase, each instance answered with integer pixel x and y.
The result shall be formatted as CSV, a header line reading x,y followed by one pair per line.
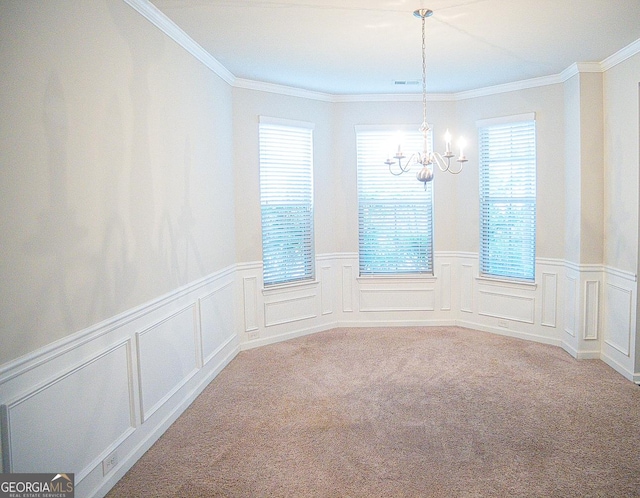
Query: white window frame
x,y
507,145
286,180
404,207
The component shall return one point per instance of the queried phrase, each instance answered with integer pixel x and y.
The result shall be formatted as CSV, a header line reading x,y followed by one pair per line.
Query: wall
x,y
113,173
118,293
401,112
621,164
621,218
546,103
249,105
455,294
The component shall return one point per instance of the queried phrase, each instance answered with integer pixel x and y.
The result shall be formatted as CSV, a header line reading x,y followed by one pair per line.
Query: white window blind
x,y
286,200
508,197
395,219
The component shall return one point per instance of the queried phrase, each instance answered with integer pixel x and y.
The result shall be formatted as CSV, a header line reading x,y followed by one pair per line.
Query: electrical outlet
x,y
109,463
253,335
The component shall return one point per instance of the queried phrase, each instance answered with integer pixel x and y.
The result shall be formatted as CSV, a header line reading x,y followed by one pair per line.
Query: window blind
x,y
395,220
286,200
508,199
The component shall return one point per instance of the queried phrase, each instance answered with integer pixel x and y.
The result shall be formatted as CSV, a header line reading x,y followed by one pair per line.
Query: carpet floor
x,y
401,412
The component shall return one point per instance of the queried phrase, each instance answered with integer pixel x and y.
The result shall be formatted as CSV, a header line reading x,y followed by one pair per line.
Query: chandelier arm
x,y
396,174
407,165
440,160
403,169
444,164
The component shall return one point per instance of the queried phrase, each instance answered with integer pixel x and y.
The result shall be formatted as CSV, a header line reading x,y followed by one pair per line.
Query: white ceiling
x,y
359,47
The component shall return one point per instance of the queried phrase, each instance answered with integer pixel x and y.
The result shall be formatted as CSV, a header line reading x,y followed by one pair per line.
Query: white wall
x,y
621,143
116,154
547,103
118,236
248,106
621,217
346,115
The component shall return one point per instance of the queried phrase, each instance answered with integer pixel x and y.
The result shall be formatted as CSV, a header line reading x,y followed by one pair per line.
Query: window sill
x,y
372,279
288,287
516,284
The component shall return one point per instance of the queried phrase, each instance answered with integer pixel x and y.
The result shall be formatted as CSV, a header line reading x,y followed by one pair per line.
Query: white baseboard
x,y
634,377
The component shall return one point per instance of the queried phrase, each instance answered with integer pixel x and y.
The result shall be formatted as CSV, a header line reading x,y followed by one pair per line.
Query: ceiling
x,y
344,47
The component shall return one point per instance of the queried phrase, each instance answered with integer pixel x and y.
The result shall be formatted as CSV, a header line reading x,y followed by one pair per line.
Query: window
x,y
286,200
395,220
508,197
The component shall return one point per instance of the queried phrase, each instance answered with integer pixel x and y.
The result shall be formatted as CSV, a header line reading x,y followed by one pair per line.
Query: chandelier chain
x,y
424,88
428,158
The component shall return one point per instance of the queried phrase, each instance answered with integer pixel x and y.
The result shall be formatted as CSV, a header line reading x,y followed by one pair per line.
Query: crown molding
x,y
508,87
621,55
580,67
173,31
393,97
336,98
282,90
167,26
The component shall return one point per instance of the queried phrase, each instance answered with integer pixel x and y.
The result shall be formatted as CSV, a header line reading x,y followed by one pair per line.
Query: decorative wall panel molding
x,y
216,320
113,388
166,359
591,309
445,287
499,305
549,299
290,309
194,332
347,292
618,313
466,288
397,299
250,288
326,290
74,420
570,305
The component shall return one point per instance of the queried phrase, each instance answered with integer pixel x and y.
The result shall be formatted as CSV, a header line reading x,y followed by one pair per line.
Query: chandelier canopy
x,y
426,159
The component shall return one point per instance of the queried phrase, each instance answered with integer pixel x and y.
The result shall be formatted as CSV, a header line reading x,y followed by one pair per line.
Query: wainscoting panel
x,y
111,390
216,320
326,292
466,289
591,307
166,358
570,305
499,305
72,421
117,386
347,286
445,287
617,312
397,299
549,299
283,310
250,288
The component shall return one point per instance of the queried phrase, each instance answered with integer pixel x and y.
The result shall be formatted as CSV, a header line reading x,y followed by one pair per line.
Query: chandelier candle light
x,y
426,159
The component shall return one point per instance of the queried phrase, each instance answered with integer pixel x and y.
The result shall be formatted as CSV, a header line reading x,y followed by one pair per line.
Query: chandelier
x,y
427,159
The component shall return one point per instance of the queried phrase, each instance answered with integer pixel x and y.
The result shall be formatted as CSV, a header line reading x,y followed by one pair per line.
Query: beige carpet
x,y
401,412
